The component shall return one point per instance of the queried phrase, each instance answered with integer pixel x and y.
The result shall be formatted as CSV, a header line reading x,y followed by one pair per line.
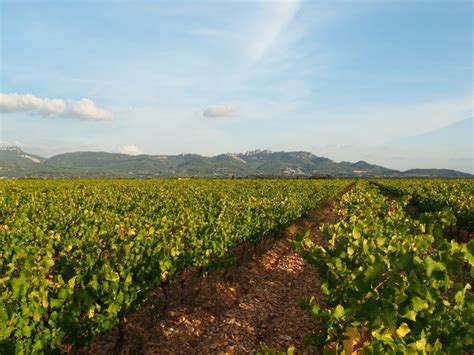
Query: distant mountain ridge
x,y
15,163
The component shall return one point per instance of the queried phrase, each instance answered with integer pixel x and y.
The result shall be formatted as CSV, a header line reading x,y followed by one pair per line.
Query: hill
x,y
15,163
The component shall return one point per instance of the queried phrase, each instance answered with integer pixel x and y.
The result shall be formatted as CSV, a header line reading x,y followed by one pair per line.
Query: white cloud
x,y
220,111
130,149
29,103
84,109
264,36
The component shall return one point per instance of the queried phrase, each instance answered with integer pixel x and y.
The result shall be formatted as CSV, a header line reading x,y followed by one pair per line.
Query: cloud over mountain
x,y
130,149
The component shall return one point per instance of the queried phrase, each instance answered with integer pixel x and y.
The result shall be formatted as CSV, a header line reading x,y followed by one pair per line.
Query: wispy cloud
x,y
220,111
84,109
265,35
393,121
378,123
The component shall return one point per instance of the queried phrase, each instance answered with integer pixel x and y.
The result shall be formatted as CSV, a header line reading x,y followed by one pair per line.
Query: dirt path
x,y
256,302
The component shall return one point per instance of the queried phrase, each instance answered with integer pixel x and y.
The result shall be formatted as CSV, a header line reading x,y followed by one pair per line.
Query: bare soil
x,y
256,301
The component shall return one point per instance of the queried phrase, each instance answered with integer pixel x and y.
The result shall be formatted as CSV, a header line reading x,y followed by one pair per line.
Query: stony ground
x,y
255,302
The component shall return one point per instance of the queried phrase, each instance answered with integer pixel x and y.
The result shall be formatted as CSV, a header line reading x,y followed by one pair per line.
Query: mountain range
x,y
15,163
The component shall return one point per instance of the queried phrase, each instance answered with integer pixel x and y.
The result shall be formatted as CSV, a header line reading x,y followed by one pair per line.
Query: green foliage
x,y
394,284
456,196
77,256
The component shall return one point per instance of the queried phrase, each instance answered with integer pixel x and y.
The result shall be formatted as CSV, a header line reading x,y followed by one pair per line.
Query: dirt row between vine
x,y
256,302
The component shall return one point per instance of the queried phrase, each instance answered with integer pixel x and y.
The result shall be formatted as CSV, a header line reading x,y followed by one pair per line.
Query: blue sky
x,y
349,80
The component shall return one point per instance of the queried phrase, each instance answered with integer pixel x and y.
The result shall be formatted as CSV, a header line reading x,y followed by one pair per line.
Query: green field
x,y
77,256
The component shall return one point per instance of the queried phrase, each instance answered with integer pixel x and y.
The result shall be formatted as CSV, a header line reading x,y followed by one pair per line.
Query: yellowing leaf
x,y
338,311
91,313
421,344
72,282
350,251
411,315
403,330
418,304
382,334
356,233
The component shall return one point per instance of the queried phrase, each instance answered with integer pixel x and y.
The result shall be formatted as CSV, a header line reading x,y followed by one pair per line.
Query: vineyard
x,y
456,196
395,284
79,256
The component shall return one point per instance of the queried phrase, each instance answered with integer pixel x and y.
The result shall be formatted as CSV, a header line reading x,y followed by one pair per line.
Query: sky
x,y
348,80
